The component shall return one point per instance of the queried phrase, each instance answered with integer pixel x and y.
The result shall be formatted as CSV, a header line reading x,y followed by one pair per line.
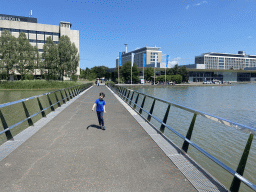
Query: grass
x,y
38,84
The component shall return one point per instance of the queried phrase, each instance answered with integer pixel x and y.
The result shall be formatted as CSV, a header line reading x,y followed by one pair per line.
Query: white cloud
x,y
170,63
198,4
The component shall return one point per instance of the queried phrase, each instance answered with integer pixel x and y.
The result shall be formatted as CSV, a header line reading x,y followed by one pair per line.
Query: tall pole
x,y
167,57
165,75
132,65
154,75
119,64
155,68
144,65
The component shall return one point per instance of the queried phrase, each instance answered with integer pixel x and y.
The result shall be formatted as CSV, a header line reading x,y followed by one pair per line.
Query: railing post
x,y
142,104
151,110
41,107
125,93
165,118
5,126
27,114
131,97
66,95
189,133
128,96
50,102
63,100
57,99
136,101
235,185
70,95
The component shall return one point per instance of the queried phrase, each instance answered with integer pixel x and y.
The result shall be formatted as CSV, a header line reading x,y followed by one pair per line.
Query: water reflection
x,y
235,103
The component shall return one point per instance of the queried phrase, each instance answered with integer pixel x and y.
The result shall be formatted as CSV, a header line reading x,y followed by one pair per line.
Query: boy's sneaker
x,y
103,128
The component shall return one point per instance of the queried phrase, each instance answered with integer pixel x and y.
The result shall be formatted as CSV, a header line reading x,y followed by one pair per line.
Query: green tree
x,y
184,73
74,60
27,57
149,73
100,71
175,69
107,75
176,78
51,58
65,51
125,72
8,52
135,74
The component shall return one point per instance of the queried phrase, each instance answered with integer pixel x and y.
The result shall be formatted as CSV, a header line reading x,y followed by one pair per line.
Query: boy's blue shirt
x,y
100,104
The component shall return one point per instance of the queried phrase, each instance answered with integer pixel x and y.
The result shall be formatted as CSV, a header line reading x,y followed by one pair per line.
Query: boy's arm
x,y
94,105
104,108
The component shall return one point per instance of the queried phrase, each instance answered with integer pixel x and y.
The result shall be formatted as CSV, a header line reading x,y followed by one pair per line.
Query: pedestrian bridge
x,y
67,151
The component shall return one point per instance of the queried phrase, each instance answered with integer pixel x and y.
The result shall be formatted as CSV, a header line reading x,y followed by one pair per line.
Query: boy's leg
x,y
102,120
99,118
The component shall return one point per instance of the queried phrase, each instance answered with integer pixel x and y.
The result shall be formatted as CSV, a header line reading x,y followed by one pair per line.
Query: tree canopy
x,y
55,62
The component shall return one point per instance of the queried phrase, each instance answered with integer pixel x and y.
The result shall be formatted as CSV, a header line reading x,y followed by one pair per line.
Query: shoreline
x,y
186,84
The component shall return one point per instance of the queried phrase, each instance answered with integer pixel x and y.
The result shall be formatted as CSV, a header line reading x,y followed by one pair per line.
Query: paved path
x,y
71,153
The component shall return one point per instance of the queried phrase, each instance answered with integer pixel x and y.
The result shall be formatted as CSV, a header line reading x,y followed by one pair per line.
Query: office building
x,y
139,56
37,33
225,61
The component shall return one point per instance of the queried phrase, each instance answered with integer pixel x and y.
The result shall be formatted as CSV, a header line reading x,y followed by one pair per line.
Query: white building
x,y
37,33
225,61
139,56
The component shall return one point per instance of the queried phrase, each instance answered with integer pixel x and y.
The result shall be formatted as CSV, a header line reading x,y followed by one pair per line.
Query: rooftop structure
x,y
225,61
138,56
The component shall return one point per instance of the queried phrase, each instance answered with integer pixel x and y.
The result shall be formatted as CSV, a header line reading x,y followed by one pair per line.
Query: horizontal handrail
x,y
215,160
33,97
244,128
80,89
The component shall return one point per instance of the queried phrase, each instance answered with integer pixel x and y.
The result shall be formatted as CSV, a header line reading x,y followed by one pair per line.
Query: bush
x,y
176,78
110,82
74,78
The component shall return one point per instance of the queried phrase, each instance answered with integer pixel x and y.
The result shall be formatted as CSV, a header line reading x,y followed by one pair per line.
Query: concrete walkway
x,y
72,153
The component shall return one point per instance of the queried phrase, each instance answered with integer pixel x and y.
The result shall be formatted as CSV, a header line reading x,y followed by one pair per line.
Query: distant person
x,y
98,82
100,109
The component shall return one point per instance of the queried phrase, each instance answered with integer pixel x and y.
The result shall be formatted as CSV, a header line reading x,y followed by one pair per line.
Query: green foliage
x,y
99,71
110,82
51,58
135,74
36,84
181,71
184,73
74,77
125,72
148,73
174,78
26,56
8,51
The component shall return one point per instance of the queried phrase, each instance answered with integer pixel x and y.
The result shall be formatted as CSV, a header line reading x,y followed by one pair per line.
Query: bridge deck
x,y
71,153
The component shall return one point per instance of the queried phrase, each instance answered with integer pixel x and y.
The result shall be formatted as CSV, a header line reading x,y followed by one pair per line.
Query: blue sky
x,y
182,28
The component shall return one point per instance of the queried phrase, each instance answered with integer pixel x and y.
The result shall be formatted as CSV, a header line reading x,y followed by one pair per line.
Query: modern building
x,y
37,33
139,55
225,61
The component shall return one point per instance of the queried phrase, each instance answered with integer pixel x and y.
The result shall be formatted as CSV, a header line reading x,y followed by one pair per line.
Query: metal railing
x,y
128,96
69,94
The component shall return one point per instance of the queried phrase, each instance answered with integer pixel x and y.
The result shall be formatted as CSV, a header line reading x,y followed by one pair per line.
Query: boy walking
x,y
100,108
